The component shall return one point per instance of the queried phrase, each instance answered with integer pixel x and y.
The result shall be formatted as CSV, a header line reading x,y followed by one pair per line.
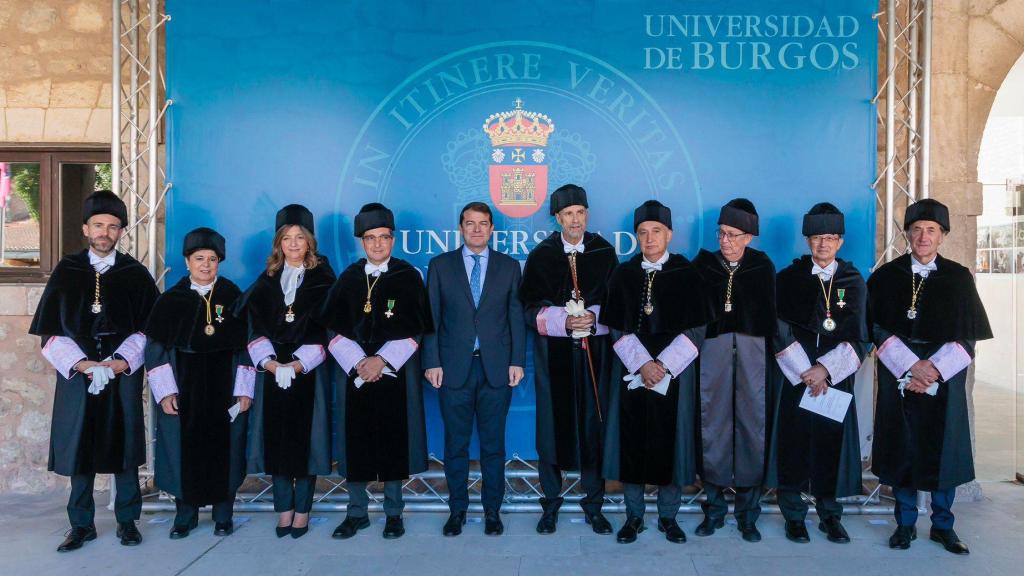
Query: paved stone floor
x,y
31,528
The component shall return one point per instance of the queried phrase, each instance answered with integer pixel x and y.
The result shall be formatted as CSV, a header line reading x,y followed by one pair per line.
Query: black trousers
x,y
794,508
188,514
670,498
294,493
489,405
551,484
127,500
747,505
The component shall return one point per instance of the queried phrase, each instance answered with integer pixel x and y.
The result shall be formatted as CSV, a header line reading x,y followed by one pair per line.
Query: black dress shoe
x,y
902,537
629,530
708,526
179,532
453,527
394,527
673,532
833,528
548,522
949,540
283,531
492,524
796,531
223,528
598,523
349,527
299,532
76,538
129,533
749,531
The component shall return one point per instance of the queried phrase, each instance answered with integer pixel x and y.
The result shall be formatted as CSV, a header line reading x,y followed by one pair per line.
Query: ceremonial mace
x,y
586,339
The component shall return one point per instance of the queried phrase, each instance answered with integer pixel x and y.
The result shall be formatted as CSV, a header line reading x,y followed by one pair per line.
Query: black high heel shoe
x,y
300,532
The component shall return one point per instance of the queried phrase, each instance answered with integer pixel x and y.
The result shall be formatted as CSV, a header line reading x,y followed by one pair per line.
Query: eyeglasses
x,y
826,238
371,239
730,238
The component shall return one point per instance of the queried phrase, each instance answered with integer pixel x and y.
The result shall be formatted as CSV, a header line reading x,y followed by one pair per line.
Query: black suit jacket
x,y
498,322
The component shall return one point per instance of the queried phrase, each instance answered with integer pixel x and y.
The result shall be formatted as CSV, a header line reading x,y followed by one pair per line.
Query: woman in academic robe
x,y
201,378
290,425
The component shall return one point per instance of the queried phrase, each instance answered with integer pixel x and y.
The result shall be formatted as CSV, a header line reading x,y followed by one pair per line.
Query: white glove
x,y
387,372
284,377
101,376
637,381
932,390
575,308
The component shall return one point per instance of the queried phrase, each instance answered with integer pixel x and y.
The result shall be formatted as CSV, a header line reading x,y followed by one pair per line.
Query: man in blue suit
x,y
475,357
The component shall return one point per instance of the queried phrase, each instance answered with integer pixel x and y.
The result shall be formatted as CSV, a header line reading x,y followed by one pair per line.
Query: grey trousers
x,y
670,498
294,493
359,499
747,506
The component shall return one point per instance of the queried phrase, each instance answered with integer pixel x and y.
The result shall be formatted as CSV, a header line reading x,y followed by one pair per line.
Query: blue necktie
x,y
474,287
474,280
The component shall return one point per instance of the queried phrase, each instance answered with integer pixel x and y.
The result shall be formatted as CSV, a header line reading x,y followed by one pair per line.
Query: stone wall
x,y
55,88
55,81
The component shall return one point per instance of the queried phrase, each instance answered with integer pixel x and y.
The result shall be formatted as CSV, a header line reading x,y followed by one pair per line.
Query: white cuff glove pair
x,y
637,381
101,376
575,308
932,390
387,372
284,376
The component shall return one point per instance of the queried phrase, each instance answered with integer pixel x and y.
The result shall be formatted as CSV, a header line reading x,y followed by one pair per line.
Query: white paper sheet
x,y
235,410
832,405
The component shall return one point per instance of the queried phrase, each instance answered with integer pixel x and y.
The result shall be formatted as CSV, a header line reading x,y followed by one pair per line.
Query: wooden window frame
x,y
50,158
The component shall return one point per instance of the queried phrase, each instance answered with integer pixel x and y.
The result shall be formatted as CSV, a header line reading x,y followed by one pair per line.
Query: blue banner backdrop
x,y
428,105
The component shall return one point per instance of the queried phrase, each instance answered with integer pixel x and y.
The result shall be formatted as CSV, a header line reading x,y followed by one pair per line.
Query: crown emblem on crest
x,y
518,127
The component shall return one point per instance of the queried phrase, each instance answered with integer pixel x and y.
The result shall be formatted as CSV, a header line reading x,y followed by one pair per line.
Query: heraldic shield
x,y
519,174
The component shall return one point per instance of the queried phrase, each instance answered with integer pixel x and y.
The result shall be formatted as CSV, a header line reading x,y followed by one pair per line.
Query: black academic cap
x,y
294,214
104,202
927,209
740,213
373,215
568,195
824,218
203,239
654,211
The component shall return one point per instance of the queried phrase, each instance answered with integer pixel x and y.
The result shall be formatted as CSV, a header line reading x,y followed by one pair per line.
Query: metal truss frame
x,y
903,106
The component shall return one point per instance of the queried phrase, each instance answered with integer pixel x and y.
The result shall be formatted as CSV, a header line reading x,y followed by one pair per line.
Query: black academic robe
x,y
199,454
650,438
752,314
570,427
102,433
289,430
923,441
809,452
380,431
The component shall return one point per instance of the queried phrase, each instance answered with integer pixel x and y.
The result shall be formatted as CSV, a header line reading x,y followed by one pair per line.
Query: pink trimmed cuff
x,y
397,352
259,350
632,353
346,352
161,382
599,329
895,356
132,350
551,321
678,355
310,356
63,353
841,362
793,362
950,360
245,381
